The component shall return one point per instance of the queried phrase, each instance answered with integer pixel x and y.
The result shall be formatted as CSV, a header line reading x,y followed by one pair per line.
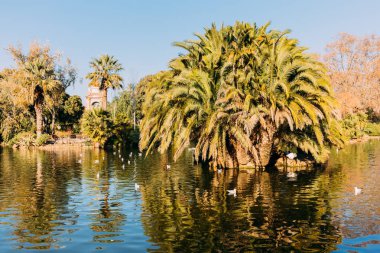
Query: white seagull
x,y
357,190
232,192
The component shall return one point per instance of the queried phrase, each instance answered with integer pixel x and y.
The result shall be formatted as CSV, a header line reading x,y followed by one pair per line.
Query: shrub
x,y
97,125
42,140
24,139
372,129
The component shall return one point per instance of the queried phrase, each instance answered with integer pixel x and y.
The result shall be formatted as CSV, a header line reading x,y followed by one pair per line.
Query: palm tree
x,y
105,75
37,78
241,94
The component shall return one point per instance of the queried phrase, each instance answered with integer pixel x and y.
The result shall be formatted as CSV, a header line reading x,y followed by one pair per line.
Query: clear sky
x,y
140,33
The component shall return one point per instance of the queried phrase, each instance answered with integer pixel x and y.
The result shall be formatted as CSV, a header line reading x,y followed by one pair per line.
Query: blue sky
x,y
140,33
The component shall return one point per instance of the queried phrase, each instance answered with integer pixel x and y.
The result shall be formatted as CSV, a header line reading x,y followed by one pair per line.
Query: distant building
x,y
95,98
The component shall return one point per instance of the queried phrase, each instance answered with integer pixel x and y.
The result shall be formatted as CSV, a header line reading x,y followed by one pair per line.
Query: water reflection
x,y
49,200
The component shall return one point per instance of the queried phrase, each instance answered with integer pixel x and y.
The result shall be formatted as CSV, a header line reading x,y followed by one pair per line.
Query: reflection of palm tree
x,y
107,219
268,210
39,195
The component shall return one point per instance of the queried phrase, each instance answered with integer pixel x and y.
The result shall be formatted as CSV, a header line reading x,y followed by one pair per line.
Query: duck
x,y
291,174
137,187
232,192
357,190
291,155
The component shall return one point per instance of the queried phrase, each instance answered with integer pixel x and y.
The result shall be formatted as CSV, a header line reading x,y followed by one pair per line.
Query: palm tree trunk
x,y
265,146
52,121
104,99
38,110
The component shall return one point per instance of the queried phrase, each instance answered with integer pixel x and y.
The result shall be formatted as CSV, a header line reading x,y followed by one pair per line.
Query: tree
x,y
105,75
354,68
97,125
242,94
37,80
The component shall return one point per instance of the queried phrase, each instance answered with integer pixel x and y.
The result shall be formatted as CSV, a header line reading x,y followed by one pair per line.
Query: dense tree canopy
x,y
34,87
242,94
354,66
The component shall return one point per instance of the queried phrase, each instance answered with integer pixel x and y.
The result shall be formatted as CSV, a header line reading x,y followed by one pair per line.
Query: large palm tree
x,y
36,77
241,94
105,75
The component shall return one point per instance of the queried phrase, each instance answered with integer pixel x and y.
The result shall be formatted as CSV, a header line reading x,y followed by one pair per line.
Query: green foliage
x,y
372,129
97,125
70,113
105,73
354,124
242,94
42,139
24,139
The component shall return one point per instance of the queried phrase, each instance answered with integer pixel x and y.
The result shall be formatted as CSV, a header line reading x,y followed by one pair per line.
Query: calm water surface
x,y
50,202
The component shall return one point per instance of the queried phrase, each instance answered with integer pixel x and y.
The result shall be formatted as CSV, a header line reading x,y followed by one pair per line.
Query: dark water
x,y
50,202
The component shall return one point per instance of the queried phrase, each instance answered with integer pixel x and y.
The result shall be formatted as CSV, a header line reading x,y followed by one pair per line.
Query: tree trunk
x,y
38,110
265,145
52,122
104,99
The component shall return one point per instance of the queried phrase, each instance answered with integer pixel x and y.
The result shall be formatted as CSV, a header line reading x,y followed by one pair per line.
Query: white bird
x,y
97,175
291,156
79,161
123,166
114,153
96,161
130,154
122,159
219,171
357,190
140,154
232,192
137,187
291,174
80,154
168,166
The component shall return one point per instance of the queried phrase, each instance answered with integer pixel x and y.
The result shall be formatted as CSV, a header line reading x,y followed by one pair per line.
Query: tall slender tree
x,y
105,74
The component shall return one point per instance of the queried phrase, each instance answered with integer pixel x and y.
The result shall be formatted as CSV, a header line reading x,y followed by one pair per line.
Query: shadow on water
x,y
85,200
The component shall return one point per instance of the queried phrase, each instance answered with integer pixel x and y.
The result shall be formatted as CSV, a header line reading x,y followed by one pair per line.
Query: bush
x,y
372,129
42,140
97,125
24,139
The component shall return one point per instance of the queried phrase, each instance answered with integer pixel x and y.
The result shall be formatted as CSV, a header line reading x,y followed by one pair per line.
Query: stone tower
x,y
95,98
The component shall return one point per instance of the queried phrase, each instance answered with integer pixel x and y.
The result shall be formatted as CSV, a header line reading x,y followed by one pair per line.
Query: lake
x,y
85,201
